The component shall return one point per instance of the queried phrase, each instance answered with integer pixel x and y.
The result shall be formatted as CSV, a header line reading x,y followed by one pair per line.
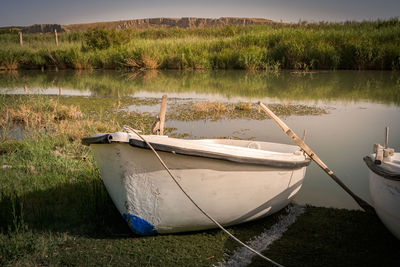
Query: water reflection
x,y
382,87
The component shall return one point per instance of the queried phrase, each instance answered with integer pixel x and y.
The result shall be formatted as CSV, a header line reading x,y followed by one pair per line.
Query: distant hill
x,y
10,29
150,23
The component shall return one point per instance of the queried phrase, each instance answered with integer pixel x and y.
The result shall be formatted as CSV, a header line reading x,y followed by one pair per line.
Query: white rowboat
x,y
235,181
384,186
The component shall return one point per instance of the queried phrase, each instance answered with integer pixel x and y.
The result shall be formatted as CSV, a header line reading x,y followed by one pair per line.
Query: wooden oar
x,y
363,204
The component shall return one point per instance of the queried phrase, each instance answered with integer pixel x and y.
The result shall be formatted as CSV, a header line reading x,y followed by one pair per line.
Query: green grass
x,y
349,45
54,209
332,237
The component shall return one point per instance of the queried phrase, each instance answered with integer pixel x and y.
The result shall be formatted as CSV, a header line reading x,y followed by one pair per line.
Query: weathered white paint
x,y
385,195
230,192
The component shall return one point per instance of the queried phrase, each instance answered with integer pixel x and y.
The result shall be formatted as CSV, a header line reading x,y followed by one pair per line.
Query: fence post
x,y
20,38
56,36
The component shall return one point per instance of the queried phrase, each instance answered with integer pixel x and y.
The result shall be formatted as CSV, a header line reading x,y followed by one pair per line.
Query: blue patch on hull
x,y
139,226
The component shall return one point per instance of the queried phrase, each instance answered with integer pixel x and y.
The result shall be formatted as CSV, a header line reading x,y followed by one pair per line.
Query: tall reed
x,y
302,46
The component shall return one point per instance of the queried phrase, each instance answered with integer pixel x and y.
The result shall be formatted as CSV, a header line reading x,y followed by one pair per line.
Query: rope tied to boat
x,y
129,129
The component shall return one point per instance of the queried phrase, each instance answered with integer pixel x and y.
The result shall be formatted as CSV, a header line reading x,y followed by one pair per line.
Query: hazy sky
x,y
27,12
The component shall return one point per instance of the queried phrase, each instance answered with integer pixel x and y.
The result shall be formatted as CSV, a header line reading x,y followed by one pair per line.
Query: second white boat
x,y
384,186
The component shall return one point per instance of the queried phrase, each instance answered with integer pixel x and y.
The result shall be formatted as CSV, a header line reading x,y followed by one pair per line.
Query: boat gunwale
x,y
283,164
379,170
221,156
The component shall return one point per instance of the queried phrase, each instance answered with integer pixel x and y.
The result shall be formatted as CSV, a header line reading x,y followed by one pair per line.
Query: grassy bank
x,y
349,45
54,209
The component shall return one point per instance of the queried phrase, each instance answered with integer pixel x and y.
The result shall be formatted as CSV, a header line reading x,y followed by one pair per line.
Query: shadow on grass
x,y
335,237
82,208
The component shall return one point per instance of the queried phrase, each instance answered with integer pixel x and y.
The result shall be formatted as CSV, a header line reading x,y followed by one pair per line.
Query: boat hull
x,y
151,202
385,195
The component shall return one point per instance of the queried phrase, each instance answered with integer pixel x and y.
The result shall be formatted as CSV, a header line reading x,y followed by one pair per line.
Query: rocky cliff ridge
x,y
150,23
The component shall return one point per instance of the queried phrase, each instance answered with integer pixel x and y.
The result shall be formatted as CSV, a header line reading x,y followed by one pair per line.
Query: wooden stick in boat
x,y
363,204
162,113
386,137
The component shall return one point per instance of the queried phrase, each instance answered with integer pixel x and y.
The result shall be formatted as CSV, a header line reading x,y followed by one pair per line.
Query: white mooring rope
x,y
127,128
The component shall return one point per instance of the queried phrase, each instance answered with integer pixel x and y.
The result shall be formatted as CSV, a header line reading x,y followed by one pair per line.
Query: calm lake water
x,y
360,105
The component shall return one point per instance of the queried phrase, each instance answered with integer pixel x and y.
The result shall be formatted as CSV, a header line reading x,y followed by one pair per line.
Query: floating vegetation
x,y
76,117
39,116
193,111
209,107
